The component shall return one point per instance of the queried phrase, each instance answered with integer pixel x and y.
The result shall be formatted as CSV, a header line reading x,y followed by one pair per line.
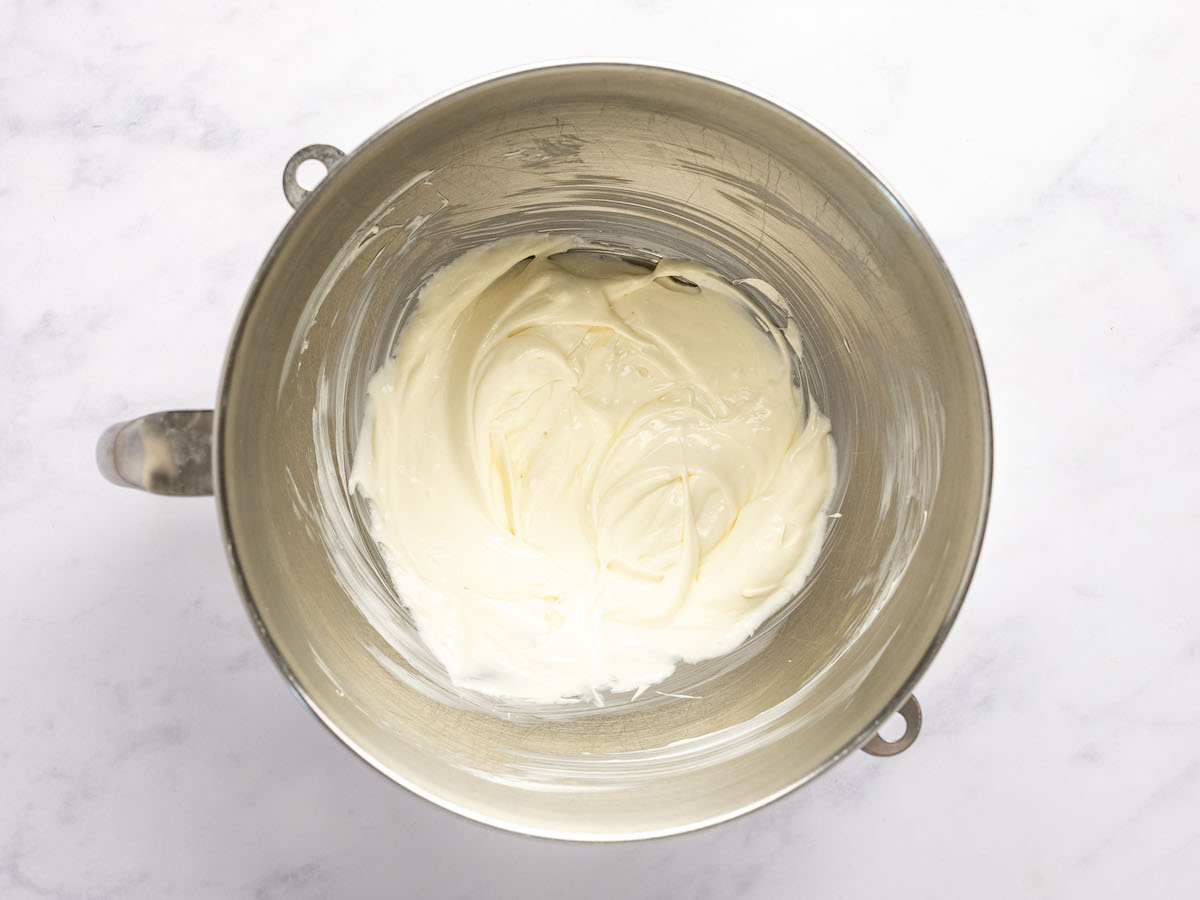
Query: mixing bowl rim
x,y
329,183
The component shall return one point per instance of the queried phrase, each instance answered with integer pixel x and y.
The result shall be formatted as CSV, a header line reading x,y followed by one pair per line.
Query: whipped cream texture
x,y
583,471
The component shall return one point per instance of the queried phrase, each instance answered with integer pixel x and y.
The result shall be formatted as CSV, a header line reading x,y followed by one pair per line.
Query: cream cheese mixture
x,y
583,471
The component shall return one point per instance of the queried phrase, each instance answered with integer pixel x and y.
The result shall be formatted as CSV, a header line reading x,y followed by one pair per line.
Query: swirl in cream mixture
x,y
583,471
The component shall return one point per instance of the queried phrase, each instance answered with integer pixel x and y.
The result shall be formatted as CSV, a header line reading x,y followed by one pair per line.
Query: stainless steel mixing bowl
x,y
651,162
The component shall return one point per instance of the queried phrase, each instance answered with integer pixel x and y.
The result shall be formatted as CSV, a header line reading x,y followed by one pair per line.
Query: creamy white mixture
x,y
582,472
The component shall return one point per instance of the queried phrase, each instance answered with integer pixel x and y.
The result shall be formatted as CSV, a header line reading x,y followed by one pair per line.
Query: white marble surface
x,y
149,749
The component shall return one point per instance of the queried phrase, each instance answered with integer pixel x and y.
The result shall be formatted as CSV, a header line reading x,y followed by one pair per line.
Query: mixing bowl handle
x,y
911,711
164,453
327,155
